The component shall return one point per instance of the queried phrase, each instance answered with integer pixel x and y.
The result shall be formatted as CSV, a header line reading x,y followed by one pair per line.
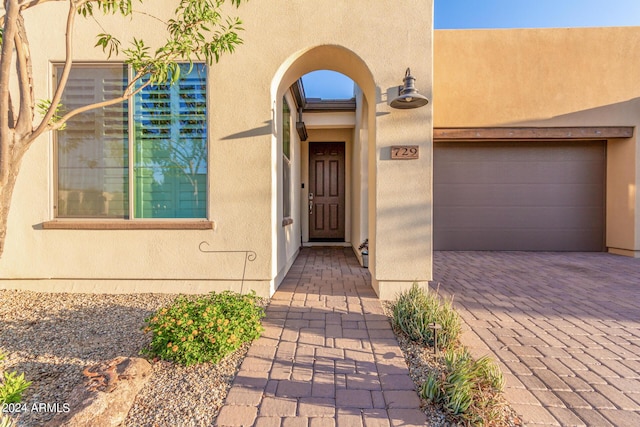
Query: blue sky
x,y
328,85
535,13
458,14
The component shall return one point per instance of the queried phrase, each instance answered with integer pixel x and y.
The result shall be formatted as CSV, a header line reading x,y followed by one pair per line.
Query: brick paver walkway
x,y
327,356
565,327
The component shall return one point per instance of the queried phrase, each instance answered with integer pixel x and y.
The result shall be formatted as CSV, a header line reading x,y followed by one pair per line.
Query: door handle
x,y
310,207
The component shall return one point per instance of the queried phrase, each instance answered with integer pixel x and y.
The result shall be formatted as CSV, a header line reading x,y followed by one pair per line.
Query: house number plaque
x,y
405,152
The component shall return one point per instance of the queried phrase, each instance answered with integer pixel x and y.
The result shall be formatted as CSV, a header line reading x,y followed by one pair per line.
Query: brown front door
x,y
326,191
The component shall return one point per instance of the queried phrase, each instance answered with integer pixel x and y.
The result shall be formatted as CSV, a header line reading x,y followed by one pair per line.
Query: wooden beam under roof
x,y
529,133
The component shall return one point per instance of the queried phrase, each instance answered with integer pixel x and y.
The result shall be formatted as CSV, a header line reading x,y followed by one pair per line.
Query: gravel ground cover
x,y
51,337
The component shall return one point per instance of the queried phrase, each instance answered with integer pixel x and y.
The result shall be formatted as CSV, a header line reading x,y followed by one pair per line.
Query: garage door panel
x,y
520,151
521,173
497,217
576,240
519,195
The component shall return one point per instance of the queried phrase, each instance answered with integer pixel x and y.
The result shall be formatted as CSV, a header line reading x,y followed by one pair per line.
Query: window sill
x,y
74,224
287,221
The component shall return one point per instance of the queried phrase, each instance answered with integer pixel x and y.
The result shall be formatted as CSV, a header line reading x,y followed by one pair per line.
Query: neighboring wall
x,y
548,78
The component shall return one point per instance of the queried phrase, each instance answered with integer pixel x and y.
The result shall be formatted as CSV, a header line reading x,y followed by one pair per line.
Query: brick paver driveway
x,y
565,327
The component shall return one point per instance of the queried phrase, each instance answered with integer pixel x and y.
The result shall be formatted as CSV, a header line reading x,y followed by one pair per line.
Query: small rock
x,y
107,397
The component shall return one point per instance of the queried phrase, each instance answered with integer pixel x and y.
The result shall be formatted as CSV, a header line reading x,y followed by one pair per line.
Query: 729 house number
x,y
405,152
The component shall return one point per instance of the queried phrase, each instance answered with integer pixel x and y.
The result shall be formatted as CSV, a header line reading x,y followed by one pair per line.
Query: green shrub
x,y
11,388
416,308
467,389
203,329
13,385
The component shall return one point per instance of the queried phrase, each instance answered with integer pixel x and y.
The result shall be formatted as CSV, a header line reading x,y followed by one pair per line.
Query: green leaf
x,y
44,106
86,9
13,387
107,41
432,389
108,7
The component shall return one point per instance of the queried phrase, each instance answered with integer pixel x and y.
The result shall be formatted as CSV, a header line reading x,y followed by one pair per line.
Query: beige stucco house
x,y
528,143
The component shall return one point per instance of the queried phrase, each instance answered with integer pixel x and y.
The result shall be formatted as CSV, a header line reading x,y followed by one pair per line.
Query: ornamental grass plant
x,y
416,308
203,329
468,390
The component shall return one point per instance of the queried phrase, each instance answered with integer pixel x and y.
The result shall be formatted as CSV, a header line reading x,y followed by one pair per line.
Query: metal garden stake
x,y
435,327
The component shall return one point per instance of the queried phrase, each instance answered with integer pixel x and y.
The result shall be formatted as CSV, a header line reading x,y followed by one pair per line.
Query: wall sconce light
x,y
408,96
300,127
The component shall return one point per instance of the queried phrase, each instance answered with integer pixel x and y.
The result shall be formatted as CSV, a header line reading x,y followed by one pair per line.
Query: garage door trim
x,y
532,133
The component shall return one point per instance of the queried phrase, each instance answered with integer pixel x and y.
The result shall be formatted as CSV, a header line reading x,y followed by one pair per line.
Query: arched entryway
x,y
341,132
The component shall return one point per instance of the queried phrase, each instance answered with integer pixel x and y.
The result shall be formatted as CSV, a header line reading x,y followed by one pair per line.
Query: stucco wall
x,y
371,42
550,77
360,181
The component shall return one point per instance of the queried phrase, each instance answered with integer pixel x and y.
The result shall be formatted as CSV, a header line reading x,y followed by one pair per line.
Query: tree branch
x,y
31,3
150,16
24,124
44,124
6,137
126,95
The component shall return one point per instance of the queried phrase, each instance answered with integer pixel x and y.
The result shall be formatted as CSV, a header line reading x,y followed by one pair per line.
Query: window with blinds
x,y
170,140
93,163
158,160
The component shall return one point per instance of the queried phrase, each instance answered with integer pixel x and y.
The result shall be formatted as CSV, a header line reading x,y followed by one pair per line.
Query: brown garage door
x,y
524,196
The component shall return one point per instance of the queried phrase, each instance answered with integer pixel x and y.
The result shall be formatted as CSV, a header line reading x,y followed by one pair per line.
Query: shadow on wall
x,y
626,113
250,133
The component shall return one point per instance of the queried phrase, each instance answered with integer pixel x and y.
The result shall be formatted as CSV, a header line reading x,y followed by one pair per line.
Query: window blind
x,y
92,149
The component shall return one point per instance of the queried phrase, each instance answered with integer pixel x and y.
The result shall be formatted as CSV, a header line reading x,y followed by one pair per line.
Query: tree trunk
x,y
6,192
7,187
